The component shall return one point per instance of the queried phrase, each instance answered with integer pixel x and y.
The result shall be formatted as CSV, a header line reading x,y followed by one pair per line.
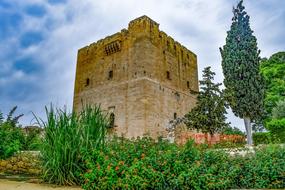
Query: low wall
x,y
21,163
201,138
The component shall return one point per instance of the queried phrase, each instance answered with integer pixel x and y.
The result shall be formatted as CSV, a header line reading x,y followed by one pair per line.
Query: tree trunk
x,y
248,130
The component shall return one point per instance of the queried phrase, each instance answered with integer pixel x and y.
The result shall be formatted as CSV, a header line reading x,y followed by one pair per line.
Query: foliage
x,y
10,134
66,135
146,164
31,138
229,144
273,70
277,129
278,112
261,138
240,61
232,131
209,113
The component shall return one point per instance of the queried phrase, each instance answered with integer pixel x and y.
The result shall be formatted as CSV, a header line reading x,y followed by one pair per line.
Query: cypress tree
x,y
209,114
240,63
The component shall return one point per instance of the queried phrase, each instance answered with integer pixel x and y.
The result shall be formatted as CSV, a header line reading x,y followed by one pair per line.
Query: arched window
x,y
188,84
175,115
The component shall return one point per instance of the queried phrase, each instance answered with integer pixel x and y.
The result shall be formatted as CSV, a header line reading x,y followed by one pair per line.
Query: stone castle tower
x,y
141,76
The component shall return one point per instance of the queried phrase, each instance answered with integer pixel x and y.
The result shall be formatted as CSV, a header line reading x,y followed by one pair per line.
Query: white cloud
x,y
199,25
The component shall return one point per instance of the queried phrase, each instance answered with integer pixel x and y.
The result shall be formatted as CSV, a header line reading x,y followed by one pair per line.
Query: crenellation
x,y
142,73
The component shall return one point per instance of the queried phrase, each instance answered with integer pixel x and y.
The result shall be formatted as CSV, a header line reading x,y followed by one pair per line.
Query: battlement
x,y
143,21
141,26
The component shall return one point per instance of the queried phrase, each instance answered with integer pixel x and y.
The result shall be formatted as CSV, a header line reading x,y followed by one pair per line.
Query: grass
x,y
67,135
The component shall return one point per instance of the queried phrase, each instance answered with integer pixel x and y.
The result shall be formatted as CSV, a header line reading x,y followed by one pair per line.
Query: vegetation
x,y
146,164
10,134
15,138
277,130
232,131
66,136
278,112
209,114
273,70
261,138
240,62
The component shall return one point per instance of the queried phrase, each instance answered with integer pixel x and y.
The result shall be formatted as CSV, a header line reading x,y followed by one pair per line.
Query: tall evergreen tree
x,y
209,114
240,62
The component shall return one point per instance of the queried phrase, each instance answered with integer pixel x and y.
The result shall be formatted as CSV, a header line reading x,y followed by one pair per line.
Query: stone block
x,y
21,164
9,166
3,163
15,167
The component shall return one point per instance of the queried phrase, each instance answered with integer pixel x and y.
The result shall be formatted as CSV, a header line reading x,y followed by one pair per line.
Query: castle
x,y
141,76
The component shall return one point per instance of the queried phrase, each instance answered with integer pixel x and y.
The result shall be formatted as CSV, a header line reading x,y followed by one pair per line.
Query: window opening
x,y
168,75
110,75
87,82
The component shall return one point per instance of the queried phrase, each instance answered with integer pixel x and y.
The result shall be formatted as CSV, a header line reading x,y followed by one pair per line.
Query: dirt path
x,y
11,185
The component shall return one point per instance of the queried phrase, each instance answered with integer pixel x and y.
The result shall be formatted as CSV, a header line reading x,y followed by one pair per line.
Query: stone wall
x,y
21,163
141,75
201,138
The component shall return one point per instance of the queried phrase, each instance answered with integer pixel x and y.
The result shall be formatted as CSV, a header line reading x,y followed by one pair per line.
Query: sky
x,y
39,40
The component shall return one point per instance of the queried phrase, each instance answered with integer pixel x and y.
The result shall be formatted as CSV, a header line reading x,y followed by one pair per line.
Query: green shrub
x,y
261,138
278,112
10,142
277,130
32,140
232,131
11,134
145,164
66,136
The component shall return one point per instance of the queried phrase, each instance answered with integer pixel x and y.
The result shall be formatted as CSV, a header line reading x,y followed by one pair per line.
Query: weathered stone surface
x,y
13,159
3,163
9,166
18,164
141,75
15,167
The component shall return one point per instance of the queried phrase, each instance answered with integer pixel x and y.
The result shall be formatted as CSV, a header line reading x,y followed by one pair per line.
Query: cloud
x,y
40,39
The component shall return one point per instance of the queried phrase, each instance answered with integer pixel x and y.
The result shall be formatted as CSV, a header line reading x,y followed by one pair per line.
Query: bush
x,y
145,164
261,138
277,130
10,142
278,112
11,134
232,131
66,136
31,140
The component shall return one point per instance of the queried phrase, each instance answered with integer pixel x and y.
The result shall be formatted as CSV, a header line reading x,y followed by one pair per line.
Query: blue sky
x,y
40,39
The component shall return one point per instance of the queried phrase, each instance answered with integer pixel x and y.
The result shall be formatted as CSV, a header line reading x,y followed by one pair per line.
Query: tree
x,y
273,71
232,131
278,112
240,62
209,114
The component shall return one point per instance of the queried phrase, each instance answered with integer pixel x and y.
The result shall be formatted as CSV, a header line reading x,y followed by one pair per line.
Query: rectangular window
x,y
110,75
87,82
168,75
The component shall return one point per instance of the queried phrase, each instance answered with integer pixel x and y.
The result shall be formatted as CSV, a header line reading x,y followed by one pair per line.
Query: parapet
x,y
142,21
141,26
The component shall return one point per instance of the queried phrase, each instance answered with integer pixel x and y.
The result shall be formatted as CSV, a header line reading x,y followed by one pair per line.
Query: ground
x,y
21,185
